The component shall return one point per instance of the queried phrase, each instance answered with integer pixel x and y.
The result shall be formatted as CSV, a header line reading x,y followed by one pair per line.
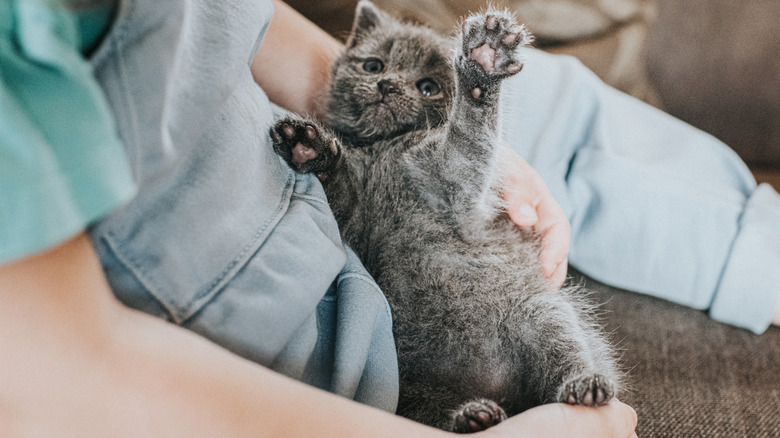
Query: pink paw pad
x,y
485,56
305,147
302,154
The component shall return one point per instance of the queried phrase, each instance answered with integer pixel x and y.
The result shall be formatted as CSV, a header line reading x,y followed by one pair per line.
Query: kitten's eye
x,y
428,87
373,65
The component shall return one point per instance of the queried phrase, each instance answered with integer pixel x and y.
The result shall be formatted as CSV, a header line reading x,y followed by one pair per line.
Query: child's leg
x,y
656,206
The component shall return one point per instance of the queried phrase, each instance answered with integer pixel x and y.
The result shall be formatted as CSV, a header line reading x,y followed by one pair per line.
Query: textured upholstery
x,y
691,376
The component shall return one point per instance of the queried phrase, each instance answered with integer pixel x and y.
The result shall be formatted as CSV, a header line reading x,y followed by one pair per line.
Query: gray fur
x,y
479,332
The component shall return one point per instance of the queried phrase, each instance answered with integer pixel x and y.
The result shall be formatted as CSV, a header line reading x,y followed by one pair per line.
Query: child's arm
x,y
76,362
292,65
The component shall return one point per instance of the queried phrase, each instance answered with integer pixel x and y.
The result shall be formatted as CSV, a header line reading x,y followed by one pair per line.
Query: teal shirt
x,y
62,165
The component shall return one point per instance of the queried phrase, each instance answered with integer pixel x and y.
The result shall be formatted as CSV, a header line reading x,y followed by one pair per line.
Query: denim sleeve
x,y
61,163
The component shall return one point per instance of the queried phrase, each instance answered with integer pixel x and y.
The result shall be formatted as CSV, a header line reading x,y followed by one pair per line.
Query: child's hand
x,y
530,203
614,420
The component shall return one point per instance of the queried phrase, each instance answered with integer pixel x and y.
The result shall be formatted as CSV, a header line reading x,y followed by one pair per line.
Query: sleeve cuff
x,y
750,285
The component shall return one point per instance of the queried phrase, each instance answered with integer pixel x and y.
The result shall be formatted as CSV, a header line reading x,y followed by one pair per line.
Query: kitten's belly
x,y
439,286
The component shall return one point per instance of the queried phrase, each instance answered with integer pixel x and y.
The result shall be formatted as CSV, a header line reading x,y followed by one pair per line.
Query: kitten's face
x,y
393,78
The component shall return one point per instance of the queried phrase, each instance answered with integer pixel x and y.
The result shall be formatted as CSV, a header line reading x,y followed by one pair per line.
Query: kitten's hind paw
x,y
305,146
587,390
490,40
477,415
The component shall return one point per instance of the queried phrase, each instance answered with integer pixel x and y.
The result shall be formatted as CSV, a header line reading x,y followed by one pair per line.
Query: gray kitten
x,y
409,165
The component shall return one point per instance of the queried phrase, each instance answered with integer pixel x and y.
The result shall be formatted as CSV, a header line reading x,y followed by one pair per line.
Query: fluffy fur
x,y
409,163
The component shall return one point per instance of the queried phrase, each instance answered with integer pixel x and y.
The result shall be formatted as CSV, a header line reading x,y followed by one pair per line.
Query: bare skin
x,y
76,362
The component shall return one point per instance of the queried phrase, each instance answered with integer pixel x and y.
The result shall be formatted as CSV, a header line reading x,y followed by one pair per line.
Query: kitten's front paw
x,y
491,40
305,146
477,415
587,390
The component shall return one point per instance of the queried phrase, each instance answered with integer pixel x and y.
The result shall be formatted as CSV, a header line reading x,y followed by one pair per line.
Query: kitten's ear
x,y
367,17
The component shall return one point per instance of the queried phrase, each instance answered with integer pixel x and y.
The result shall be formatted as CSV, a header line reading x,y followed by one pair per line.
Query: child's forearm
x,y
293,63
76,362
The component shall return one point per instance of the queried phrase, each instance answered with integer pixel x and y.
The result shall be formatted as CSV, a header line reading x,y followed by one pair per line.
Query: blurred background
x,y
712,63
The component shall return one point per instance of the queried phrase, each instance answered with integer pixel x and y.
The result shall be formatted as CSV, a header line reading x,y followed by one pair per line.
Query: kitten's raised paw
x,y
305,146
477,415
587,390
491,40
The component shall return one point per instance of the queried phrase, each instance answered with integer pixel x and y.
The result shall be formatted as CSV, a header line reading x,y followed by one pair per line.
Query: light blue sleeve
x,y
656,206
61,162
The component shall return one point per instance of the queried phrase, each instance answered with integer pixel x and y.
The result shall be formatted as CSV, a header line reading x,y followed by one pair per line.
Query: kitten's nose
x,y
386,87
